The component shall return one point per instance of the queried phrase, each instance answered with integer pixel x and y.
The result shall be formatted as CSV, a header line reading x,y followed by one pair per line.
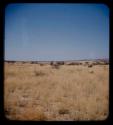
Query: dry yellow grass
x,y
35,92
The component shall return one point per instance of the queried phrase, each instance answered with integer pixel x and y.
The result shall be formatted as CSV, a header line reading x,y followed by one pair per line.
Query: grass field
x,y
68,92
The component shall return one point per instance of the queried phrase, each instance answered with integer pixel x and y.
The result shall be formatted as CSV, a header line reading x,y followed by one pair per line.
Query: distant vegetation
x,y
95,62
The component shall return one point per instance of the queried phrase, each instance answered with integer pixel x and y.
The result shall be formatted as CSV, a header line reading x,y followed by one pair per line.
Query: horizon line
x,y
57,60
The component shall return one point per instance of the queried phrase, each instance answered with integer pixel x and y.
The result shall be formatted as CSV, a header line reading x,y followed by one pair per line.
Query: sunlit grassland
x,y
71,92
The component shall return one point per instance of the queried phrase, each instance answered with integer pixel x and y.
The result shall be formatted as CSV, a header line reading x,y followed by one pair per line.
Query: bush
x,y
91,71
71,63
39,73
55,66
63,111
75,63
41,64
90,65
51,63
60,63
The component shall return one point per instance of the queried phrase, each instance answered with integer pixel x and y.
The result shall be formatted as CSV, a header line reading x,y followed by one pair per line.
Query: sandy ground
x,y
71,92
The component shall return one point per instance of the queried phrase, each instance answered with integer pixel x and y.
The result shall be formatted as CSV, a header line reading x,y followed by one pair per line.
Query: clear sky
x,y
56,31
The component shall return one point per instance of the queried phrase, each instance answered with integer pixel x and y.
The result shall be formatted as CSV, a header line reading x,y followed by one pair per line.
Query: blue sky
x,y
56,31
